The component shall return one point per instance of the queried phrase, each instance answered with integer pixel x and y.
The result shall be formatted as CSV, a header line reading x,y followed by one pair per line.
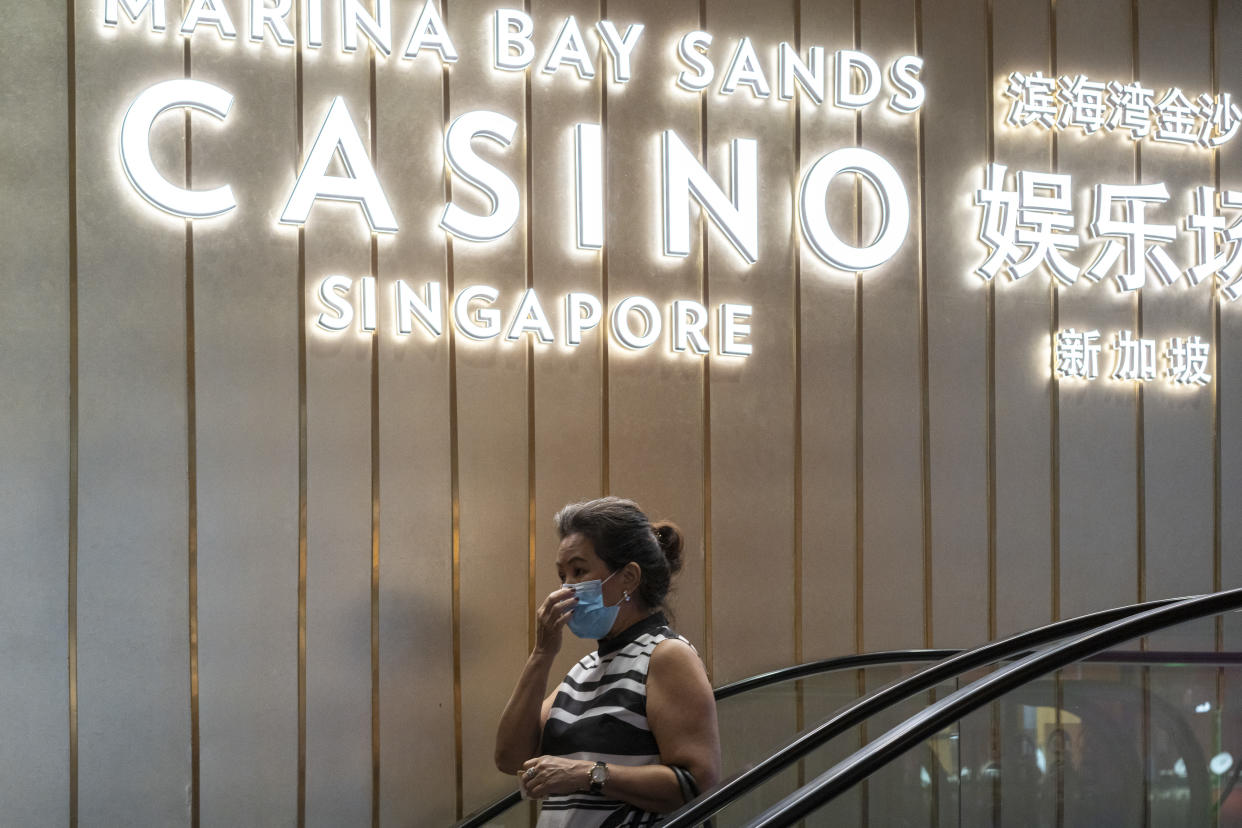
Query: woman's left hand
x,y
547,775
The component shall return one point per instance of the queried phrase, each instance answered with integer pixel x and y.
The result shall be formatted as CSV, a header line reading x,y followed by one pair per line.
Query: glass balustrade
x,y
1145,737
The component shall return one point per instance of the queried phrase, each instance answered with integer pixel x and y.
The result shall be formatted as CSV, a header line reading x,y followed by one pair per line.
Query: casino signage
x,y
1027,219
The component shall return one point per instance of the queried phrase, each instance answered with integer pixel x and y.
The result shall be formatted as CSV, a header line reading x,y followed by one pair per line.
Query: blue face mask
x,y
591,619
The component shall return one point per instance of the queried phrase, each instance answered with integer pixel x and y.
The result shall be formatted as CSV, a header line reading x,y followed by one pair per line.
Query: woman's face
x,y
576,561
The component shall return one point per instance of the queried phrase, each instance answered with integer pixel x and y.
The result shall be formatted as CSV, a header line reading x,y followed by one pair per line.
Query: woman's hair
x,y
620,532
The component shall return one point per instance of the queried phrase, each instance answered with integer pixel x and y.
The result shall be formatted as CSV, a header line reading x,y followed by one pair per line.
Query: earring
x,y
626,595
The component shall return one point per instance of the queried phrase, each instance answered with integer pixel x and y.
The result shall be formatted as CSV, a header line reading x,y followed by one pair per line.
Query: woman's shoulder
x,y
665,632
676,652
677,668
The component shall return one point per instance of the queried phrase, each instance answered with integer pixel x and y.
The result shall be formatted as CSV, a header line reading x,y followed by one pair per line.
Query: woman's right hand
x,y
550,620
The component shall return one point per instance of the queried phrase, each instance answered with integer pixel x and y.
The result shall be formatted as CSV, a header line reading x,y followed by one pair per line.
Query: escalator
x,y
1033,754
1060,737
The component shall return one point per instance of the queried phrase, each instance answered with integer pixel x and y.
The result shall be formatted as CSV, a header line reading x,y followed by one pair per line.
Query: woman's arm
x,y
647,787
681,711
517,737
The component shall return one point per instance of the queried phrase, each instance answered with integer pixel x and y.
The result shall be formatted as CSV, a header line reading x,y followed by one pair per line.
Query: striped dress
x,y
600,714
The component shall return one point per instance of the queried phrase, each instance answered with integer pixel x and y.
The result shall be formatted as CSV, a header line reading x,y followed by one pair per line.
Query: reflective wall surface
x,y
257,573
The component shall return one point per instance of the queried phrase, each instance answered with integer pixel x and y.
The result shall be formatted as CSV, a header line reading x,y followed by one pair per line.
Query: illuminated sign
x,y
1033,225
635,322
684,179
1075,101
1027,220
135,147
1076,355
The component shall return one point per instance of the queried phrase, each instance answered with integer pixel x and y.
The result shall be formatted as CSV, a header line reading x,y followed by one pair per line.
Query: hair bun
x,y
669,538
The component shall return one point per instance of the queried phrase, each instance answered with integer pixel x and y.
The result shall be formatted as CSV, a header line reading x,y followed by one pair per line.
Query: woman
x,y
631,731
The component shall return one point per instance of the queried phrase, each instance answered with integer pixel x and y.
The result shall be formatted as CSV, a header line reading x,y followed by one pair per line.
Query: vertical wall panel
x,y
1177,433
752,437
492,424
246,369
568,381
955,138
1024,433
1023,378
1099,520
892,478
655,400
417,773
753,398
829,398
893,583
34,360
829,501
133,630
338,452
1228,379
894,575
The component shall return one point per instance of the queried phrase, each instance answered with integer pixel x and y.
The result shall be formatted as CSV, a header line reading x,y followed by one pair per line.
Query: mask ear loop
x,y
625,593
575,587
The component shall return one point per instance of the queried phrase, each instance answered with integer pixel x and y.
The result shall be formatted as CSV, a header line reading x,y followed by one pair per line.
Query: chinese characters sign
x,y
1033,224
1076,102
1077,355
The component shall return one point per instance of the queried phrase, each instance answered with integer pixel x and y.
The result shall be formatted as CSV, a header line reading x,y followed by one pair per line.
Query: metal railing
x,y
859,711
951,663
921,726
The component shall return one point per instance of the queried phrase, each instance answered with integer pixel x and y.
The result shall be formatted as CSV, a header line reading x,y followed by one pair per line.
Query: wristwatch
x,y
598,777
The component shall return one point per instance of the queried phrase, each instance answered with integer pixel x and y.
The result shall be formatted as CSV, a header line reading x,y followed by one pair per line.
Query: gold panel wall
x,y
257,574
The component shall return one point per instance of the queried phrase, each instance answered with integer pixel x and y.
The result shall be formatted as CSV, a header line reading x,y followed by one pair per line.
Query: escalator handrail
x,y
853,714
810,668
489,812
934,718
860,661
881,658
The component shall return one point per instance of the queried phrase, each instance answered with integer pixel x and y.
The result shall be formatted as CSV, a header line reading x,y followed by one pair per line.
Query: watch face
x,y
599,774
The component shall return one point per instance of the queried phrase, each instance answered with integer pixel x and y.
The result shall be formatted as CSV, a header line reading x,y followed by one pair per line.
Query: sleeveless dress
x,y
600,714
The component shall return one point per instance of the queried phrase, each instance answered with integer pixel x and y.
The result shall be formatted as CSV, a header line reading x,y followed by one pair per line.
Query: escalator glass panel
x,y
1138,738
818,697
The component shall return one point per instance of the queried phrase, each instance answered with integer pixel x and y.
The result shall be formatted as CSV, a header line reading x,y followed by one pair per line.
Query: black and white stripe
x,y
600,714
